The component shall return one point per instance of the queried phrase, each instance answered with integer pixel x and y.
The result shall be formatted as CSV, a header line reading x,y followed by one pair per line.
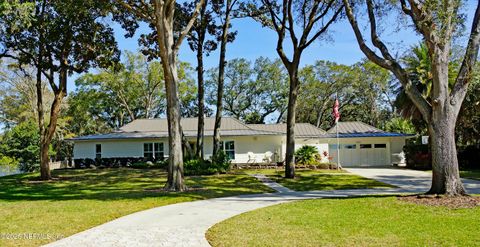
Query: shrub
x,y
306,155
468,157
119,162
196,167
219,164
149,165
418,157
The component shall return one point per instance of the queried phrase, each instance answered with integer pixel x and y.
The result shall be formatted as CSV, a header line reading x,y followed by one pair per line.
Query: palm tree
x,y
418,65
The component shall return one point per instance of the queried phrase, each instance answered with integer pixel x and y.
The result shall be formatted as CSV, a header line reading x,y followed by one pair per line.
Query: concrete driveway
x,y
410,180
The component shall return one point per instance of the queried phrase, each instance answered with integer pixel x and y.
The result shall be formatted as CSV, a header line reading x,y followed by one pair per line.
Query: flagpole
x,y
337,120
338,148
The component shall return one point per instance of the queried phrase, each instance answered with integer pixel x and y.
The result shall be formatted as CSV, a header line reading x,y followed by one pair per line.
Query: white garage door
x,y
364,154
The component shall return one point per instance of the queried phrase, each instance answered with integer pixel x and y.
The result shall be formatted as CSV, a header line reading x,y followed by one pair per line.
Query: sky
x,y
253,41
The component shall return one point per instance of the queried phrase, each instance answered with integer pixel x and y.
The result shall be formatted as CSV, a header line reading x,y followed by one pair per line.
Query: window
x,y
229,148
98,151
363,146
158,150
148,151
350,146
153,150
380,145
333,146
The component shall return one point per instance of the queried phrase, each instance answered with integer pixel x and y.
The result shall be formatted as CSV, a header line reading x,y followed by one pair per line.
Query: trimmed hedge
x,y
150,165
111,162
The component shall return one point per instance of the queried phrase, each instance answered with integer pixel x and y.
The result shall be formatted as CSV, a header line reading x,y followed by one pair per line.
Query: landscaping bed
x,y
450,202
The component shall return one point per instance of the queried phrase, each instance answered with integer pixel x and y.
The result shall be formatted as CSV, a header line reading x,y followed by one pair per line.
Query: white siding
x,y
317,142
369,156
114,148
258,145
397,144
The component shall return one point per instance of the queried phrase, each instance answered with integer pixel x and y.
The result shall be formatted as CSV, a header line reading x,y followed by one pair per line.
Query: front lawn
x,y
367,221
307,180
81,199
471,174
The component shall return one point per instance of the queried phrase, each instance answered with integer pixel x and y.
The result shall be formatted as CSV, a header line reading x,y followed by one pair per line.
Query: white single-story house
x,y
360,144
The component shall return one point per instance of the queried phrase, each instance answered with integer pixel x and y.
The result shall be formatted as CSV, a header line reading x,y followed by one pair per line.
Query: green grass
x,y
471,174
368,221
81,199
307,180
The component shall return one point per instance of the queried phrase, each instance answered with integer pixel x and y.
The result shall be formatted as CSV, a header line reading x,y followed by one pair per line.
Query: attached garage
x,y
362,145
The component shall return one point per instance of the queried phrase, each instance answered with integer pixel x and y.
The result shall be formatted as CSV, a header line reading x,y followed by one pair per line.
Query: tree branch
x,y
187,28
135,10
466,70
387,61
291,29
324,28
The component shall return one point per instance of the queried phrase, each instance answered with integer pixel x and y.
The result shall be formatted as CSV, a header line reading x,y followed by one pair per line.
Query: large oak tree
x,y
164,41
57,38
437,22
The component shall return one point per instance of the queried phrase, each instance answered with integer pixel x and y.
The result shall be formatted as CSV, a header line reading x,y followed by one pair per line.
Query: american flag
x,y
336,113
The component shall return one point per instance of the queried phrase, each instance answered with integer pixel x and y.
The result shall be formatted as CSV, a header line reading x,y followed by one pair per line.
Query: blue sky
x,y
254,41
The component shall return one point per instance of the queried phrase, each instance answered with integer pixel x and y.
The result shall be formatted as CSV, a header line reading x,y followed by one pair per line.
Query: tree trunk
x,y
168,50
201,101
44,162
446,178
292,106
187,152
175,181
445,172
221,78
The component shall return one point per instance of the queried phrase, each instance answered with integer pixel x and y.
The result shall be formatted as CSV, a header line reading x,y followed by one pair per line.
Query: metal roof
x,y
371,134
158,128
354,127
161,124
301,129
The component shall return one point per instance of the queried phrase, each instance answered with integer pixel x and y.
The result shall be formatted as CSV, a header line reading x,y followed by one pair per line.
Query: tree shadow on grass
x,y
120,184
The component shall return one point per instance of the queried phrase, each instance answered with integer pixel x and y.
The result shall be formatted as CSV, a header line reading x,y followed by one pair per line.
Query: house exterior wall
x,y
114,148
259,145
368,156
319,143
397,144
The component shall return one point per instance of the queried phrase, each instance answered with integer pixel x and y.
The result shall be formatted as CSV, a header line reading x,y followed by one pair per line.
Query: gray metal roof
x,y
158,128
354,127
360,129
371,134
161,124
301,129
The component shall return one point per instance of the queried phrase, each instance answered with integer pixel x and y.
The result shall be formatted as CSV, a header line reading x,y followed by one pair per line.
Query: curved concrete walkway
x,y
185,224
